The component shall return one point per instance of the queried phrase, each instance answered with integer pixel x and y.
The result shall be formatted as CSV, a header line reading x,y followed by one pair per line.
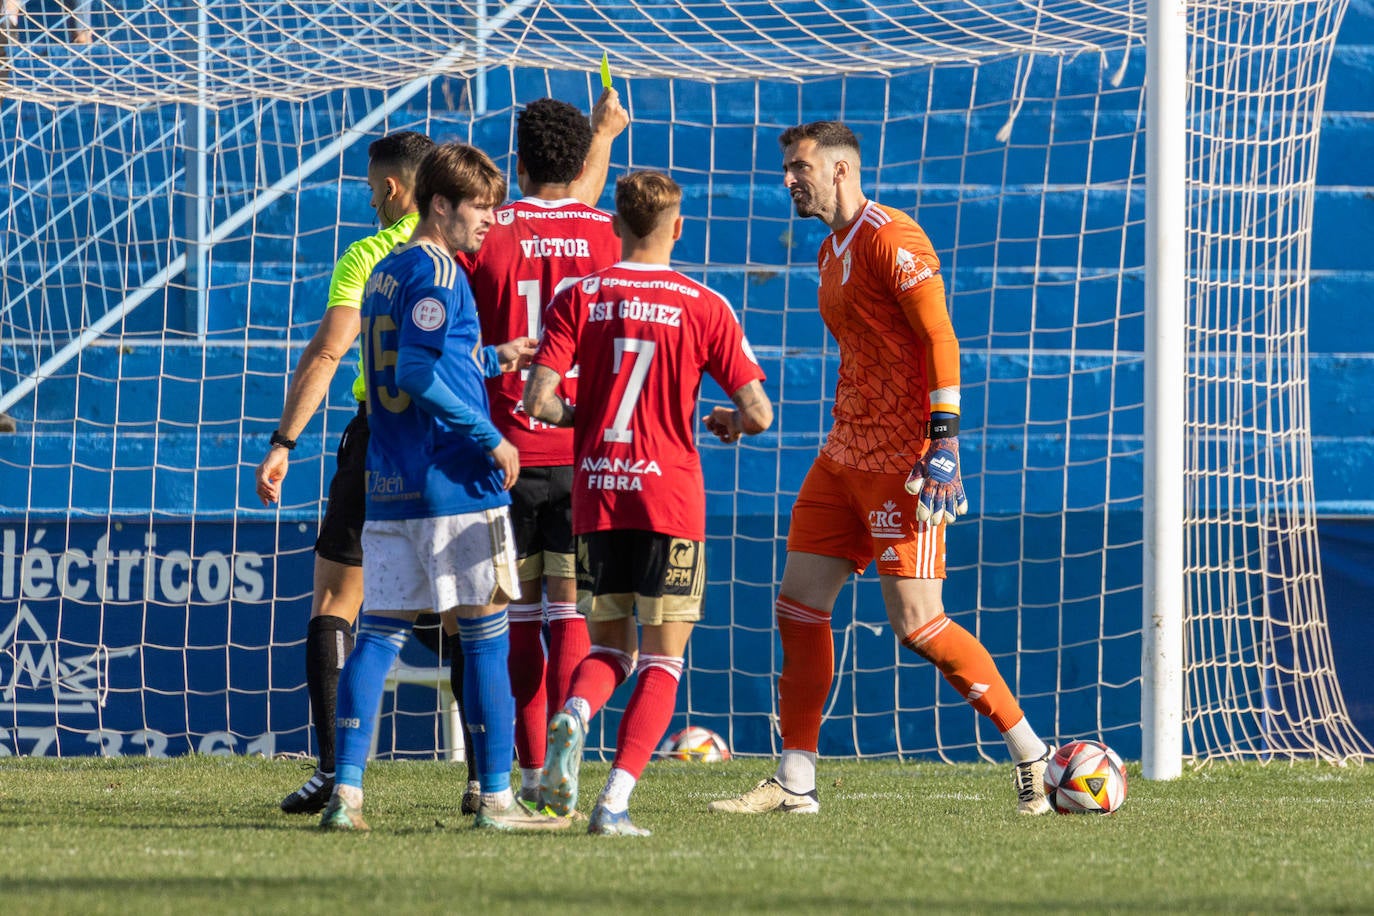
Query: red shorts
x,y
863,516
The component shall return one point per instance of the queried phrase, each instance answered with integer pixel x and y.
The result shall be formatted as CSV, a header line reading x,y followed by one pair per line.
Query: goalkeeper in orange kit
x,y
887,480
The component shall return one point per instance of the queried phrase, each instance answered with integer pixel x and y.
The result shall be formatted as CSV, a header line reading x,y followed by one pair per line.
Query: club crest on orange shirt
x,y
847,262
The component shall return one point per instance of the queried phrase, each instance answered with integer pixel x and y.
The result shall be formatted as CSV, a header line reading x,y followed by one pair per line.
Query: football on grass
x,y
695,743
1085,777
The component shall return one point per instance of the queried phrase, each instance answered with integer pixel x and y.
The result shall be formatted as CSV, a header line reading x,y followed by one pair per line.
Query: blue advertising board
x,y
166,636
152,637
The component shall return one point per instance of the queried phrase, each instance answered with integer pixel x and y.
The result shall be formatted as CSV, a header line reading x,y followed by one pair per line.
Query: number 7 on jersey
x,y
619,430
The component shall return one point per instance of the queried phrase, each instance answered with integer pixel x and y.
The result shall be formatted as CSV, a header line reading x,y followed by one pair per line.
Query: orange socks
x,y
808,668
968,667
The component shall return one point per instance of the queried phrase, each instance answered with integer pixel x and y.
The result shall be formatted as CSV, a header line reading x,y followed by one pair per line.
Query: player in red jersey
x,y
546,238
895,437
642,336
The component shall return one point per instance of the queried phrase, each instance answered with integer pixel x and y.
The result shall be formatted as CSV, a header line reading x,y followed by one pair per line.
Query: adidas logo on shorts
x,y
889,556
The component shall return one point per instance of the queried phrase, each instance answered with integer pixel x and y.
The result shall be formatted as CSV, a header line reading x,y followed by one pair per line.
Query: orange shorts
x,y
863,516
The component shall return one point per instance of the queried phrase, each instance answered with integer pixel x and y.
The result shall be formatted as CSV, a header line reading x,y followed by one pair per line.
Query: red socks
x,y
598,675
649,712
540,684
568,645
526,665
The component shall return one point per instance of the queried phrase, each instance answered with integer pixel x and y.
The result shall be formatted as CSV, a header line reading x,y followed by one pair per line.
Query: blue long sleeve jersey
x,y
425,367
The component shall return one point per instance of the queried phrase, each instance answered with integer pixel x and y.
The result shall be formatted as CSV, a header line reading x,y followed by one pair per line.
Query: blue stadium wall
x,y
239,563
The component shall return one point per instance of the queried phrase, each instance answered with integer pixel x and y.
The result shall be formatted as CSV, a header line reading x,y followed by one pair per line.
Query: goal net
x,y
179,190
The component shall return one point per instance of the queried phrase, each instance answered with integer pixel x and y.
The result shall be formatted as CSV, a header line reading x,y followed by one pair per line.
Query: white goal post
x,y
1120,194
1166,315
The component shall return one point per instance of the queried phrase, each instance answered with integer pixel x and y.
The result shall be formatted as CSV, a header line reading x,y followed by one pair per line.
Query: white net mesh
x,y
215,52
157,291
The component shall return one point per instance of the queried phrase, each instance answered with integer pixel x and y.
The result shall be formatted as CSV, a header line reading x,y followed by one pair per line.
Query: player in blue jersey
x,y
437,533
338,574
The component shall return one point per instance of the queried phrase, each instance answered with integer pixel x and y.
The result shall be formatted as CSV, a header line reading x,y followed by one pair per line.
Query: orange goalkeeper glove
x,y
935,480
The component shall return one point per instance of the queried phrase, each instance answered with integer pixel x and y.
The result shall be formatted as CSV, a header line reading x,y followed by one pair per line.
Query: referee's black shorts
x,y
341,532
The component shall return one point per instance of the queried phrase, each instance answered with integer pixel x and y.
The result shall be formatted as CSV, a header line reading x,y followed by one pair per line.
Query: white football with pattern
x,y
1085,777
697,744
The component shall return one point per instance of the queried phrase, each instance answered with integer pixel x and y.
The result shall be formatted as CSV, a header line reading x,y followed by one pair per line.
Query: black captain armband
x,y
945,427
279,439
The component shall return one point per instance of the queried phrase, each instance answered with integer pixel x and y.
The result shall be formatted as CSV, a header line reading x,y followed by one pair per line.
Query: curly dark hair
x,y
552,138
401,152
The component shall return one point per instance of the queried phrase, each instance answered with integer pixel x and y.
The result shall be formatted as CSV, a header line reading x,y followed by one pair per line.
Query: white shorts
x,y
440,563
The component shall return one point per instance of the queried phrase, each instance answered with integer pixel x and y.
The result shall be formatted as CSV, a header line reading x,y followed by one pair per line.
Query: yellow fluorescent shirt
x,y
353,269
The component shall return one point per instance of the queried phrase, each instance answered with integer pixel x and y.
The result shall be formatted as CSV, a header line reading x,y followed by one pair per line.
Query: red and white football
x,y
1085,777
695,743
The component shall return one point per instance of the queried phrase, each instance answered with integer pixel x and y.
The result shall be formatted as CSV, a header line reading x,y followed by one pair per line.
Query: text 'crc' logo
x,y
885,522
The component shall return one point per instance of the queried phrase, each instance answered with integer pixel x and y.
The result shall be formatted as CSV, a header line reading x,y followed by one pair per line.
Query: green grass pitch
x,y
203,835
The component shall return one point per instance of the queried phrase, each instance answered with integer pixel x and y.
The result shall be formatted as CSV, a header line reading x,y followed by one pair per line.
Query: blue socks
x,y
360,693
487,699
488,704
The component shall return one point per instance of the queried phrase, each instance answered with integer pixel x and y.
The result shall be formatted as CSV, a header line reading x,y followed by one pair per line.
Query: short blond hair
x,y
642,199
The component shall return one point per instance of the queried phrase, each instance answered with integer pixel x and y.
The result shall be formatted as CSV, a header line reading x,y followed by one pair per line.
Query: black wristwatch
x,y
279,439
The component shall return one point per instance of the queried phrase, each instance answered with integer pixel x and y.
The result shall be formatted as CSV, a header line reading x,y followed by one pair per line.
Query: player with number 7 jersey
x,y
642,335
